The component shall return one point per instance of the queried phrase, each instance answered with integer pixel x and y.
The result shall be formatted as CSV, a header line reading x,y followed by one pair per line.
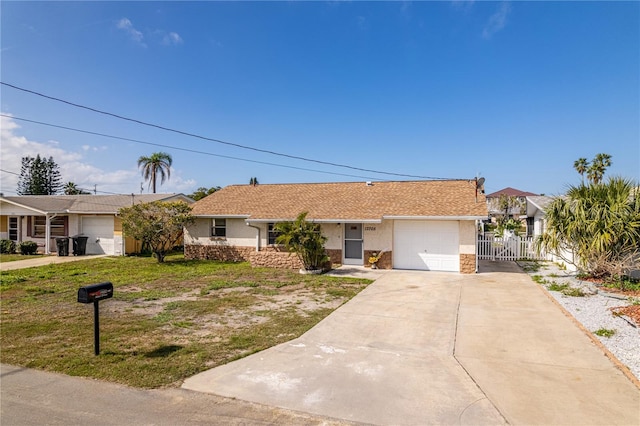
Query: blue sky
x,y
511,91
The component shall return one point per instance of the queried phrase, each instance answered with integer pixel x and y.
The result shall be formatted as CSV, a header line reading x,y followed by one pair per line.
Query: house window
x,y
13,228
219,228
272,234
58,226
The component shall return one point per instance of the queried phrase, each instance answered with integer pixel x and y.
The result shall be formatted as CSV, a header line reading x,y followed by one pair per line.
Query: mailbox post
x,y
95,293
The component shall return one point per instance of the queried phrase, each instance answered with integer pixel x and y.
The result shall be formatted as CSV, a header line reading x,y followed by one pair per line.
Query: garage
x,y
99,229
426,245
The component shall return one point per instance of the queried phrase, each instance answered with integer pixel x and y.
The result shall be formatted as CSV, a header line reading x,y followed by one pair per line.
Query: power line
x,y
168,129
7,171
179,148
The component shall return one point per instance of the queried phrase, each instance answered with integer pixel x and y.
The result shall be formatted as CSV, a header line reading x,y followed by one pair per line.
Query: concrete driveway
x,y
421,348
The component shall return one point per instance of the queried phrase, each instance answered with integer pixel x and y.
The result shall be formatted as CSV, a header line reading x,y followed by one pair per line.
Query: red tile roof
x,y
346,201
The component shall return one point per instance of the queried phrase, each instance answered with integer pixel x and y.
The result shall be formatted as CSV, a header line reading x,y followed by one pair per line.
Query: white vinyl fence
x,y
507,248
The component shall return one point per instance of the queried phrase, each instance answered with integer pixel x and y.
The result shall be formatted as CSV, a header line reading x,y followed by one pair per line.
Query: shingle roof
x,y
538,202
85,203
511,192
346,201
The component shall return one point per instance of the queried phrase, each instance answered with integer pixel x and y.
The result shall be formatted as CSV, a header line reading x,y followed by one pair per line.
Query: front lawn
x,y
14,257
165,322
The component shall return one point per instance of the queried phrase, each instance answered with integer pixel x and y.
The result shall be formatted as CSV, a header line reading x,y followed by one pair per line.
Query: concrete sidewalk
x,y
435,348
43,261
34,398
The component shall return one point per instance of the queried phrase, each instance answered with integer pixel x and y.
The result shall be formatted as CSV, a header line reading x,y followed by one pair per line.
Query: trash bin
x,y
79,245
63,246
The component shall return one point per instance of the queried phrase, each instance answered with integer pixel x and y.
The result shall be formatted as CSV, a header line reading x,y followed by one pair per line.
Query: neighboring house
x,y
42,218
536,218
424,225
493,201
535,209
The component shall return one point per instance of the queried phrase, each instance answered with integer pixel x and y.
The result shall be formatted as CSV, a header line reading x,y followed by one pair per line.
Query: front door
x,y
353,244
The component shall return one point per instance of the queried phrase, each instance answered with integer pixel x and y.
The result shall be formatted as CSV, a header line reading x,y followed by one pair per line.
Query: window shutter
x,y
66,225
29,227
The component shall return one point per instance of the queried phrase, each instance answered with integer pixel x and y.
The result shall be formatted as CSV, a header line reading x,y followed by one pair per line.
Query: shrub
x,y
28,247
304,239
7,247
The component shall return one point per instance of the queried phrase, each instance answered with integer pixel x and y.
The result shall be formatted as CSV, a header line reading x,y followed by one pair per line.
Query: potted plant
x,y
374,258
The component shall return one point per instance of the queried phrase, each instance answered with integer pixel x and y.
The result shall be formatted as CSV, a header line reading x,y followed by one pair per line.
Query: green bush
x,y
7,247
28,247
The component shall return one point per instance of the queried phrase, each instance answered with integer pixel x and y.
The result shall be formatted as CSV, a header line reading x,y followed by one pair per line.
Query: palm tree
x,y
70,188
595,172
305,239
599,224
581,165
159,163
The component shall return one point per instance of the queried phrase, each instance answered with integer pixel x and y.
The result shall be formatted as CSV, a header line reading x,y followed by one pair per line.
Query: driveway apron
x,y
385,357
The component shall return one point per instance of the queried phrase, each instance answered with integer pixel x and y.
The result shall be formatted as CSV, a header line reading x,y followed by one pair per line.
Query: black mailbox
x,y
95,292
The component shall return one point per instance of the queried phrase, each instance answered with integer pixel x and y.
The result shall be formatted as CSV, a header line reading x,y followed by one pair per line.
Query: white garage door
x,y
426,245
100,233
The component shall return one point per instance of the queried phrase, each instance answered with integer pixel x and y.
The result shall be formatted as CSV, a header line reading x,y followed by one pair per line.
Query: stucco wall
x,y
378,236
467,241
333,232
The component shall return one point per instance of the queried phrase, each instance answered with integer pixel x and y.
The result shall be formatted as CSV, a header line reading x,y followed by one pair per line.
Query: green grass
x,y
14,257
625,284
531,266
565,289
554,286
604,332
165,322
539,279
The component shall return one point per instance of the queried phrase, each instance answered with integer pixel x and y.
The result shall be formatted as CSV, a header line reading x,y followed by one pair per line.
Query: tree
x,y
71,188
305,240
581,165
159,163
202,192
508,206
253,181
39,176
158,224
599,223
598,166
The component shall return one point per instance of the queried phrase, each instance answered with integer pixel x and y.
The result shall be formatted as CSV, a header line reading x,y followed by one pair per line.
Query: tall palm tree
x,y
581,165
70,188
600,163
159,163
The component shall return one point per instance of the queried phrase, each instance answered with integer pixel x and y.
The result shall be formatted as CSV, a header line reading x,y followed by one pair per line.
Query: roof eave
x,y
435,217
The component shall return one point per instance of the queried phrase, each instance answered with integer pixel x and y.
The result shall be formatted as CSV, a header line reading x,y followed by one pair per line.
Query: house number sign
x,y
369,228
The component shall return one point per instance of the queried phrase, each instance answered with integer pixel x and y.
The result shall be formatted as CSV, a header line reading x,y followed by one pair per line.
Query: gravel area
x,y
593,311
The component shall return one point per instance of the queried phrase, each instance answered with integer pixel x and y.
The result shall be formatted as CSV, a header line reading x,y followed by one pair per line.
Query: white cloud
x,y
172,39
73,166
125,25
497,21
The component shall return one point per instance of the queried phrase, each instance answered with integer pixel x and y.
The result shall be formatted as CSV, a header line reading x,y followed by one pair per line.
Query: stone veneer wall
x,y
385,262
220,252
467,263
275,259
267,257
335,256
